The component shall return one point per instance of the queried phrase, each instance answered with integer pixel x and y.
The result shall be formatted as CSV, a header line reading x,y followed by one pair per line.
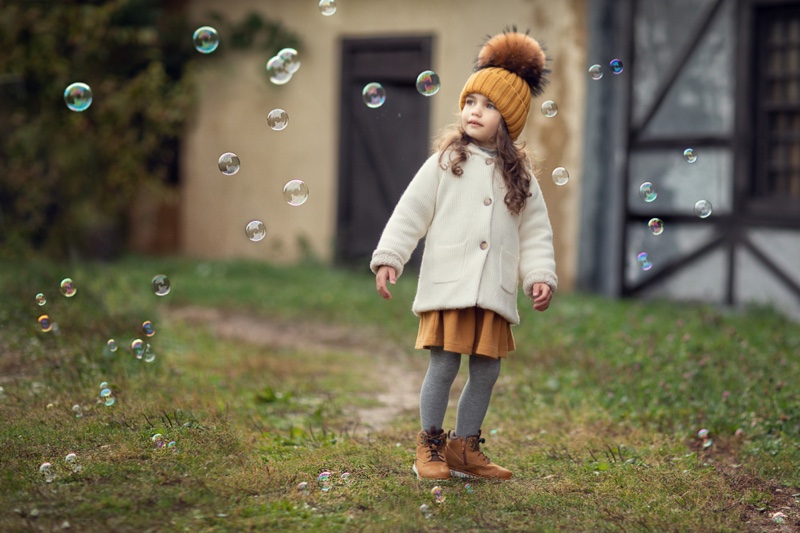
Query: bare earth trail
x,y
396,396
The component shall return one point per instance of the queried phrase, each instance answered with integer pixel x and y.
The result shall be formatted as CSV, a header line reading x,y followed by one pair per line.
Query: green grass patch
x,y
597,412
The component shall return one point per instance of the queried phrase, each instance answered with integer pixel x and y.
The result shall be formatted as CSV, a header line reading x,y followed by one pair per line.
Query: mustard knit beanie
x,y
510,68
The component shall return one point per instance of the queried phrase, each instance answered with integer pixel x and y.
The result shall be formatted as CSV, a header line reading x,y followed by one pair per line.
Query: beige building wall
x,y
236,96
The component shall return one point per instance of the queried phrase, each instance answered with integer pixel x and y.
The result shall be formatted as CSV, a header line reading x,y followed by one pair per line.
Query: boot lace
x,y
475,444
434,444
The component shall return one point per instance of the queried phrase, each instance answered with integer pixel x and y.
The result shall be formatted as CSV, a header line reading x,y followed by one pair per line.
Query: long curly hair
x,y
512,159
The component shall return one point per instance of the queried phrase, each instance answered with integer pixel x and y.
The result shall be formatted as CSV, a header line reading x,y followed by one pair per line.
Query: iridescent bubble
x,y
345,476
206,39
656,226
78,410
45,323
295,192
111,345
425,510
72,460
103,385
428,83
616,66
644,261
549,108
277,71
149,354
278,119
374,95
707,443
703,208
228,163
105,393
560,176
702,434
327,7
289,58
137,348
172,444
468,487
40,299
255,230
324,476
148,329
68,288
648,192
689,155
596,72
158,440
78,96
161,285
303,485
46,469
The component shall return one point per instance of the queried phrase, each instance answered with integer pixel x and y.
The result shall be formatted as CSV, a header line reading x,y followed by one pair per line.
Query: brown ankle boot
x,y
465,459
430,463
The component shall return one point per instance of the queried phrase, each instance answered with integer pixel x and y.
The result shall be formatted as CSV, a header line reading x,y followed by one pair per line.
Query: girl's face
x,y
481,120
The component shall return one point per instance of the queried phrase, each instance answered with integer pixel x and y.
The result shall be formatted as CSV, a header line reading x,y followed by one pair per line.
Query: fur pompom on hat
x,y
510,68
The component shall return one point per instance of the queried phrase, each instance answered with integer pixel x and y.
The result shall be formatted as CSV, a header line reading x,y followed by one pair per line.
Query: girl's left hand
x,y
541,296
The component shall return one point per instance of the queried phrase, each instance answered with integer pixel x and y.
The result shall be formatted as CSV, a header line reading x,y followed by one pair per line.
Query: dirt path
x,y
397,396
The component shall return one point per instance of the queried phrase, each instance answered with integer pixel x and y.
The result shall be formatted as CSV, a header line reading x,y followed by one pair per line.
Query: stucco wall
x,y
236,97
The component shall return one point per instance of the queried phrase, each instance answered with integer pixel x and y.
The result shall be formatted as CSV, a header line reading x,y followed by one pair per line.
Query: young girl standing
x,y
487,229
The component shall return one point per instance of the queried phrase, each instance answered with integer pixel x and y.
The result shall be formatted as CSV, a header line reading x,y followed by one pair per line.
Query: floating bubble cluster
x,y
374,95
428,83
255,230
327,7
228,163
282,66
206,39
549,108
295,192
161,285
78,96
560,176
278,119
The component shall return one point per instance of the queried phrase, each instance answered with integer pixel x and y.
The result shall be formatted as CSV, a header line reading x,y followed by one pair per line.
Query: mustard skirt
x,y
466,331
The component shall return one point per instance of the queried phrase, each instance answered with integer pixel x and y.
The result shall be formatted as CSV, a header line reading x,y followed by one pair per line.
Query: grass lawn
x,y
597,412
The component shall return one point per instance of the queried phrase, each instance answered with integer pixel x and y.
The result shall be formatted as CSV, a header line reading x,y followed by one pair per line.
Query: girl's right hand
x,y
384,273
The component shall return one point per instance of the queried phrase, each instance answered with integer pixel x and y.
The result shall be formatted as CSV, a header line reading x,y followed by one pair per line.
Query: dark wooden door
x,y
380,148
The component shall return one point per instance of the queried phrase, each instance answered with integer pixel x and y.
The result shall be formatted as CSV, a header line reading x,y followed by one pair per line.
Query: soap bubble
x,y
560,176
40,299
327,7
158,440
161,285
644,261
137,347
549,109
689,155
303,485
648,192
596,72
656,226
255,230
616,66
277,71
468,488
72,460
345,476
105,393
324,476
78,96
374,95
278,119
46,469
174,445
103,385
425,510
703,208
206,39
45,323
148,329
68,288
295,192
78,410
228,163
288,57
149,355
437,493
428,83
702,434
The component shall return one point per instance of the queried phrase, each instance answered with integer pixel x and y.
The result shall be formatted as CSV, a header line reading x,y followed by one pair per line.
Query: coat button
x,y
487,201
484,245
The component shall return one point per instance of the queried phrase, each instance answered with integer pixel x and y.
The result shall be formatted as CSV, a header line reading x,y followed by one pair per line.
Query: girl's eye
x,y
490,106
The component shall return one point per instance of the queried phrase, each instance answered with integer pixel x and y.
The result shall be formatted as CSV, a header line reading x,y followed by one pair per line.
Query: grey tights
x,y
474,401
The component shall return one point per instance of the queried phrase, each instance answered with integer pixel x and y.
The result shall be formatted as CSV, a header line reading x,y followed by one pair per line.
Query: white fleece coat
x,y
476,250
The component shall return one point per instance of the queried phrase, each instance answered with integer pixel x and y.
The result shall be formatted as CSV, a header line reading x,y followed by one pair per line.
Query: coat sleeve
x,y
537,258
410,219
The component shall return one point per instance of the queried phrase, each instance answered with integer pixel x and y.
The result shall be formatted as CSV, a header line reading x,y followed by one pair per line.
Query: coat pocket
x,y
448,262
509,265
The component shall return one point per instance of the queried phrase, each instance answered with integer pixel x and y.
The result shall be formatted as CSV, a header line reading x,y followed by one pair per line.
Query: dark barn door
x,y
380,148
